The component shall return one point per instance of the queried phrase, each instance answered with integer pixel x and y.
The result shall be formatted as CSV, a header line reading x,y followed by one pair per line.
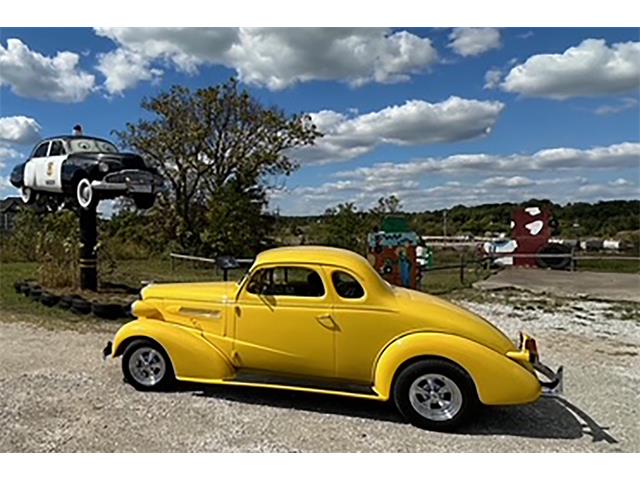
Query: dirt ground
x,y
57,395
593,285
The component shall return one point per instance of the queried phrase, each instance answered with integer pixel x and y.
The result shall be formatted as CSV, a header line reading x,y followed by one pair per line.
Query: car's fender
x,y
498,379
191,355
29,174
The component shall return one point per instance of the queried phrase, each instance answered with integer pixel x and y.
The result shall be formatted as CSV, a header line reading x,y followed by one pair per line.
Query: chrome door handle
x,y
326,320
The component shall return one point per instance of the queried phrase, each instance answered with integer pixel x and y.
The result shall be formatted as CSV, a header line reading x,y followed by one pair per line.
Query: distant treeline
x,y
602,219
133,234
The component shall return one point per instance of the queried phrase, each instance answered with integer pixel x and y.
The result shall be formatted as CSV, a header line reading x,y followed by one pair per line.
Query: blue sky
x,y
436,116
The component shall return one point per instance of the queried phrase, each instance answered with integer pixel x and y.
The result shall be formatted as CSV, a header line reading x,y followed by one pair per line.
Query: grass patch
x,y
608,265
17,307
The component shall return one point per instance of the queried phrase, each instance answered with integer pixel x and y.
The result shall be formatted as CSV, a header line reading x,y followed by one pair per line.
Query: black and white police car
x,y
86,170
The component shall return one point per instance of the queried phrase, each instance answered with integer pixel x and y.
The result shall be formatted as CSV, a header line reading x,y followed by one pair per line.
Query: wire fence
x,y
445,277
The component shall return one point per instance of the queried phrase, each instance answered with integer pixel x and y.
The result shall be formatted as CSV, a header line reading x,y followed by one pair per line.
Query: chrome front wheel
x,y
146,366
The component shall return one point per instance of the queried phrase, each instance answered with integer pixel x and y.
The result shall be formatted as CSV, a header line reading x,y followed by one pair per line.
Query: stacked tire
x,y
74,303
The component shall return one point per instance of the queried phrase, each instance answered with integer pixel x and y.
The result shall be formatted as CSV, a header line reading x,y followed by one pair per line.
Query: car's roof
x,y
330,256
74,137
313,254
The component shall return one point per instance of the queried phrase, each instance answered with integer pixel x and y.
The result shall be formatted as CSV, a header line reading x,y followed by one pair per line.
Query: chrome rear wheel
x,y
435,397
435,394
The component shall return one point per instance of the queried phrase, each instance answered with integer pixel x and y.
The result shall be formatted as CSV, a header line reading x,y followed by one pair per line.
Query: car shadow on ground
x,y
552,418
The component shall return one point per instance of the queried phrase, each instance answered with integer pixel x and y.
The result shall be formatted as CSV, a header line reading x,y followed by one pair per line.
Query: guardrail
x,y
487,261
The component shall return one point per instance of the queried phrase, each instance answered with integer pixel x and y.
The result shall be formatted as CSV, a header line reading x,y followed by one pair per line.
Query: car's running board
x,y
334,390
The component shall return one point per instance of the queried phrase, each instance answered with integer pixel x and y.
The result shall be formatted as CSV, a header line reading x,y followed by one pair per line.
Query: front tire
x,y
146,366
27,195
435,394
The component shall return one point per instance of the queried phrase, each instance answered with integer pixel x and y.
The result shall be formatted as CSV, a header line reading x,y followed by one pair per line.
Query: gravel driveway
x,y
57,395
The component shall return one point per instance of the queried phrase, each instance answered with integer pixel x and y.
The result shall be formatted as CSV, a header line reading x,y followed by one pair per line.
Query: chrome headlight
x,y
103,167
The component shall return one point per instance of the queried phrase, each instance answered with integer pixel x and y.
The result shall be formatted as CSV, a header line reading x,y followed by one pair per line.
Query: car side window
x,y
41,151
290,281
57,148
346,286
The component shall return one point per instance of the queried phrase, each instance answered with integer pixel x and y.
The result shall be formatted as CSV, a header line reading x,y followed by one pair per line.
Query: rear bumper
x,y
528,354
555,386
131,181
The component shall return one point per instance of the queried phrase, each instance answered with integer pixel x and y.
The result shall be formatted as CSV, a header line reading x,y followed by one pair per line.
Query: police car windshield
x,y
91,145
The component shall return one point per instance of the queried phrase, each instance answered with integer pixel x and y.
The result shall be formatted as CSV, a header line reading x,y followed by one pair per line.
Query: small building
x,y
9,208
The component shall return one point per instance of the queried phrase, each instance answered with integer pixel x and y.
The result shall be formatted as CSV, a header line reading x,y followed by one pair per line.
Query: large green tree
x,y
214,140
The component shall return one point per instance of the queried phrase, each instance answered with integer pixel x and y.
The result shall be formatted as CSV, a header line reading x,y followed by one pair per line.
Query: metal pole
x,y
462,269
445,223
88,257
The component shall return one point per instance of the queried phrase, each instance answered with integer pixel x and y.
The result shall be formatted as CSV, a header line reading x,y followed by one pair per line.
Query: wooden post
x,y
88,256
462,269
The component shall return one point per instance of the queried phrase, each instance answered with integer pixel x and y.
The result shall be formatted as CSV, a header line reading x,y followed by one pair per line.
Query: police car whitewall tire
x,y
85,195
27,195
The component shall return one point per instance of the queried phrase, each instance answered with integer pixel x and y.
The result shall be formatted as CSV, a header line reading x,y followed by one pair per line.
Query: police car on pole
x,y
86,170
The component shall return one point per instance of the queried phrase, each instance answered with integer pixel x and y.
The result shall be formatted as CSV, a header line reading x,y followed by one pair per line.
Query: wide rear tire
x,y
435,394
144,201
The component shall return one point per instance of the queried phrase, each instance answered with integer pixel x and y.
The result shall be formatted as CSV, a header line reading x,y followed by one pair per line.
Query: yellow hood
x,y
205,291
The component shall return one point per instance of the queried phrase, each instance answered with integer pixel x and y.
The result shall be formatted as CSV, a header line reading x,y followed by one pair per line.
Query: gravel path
x,y
57,395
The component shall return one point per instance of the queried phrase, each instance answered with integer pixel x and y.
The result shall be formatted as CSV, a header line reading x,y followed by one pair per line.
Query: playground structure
x,y
392,252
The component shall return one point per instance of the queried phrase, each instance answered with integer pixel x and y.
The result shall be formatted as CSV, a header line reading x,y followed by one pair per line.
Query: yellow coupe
x,y
321,319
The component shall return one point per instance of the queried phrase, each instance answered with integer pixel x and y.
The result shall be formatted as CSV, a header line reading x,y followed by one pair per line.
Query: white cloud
x,y
470,42
314,200
470,179
623,104
19,129
590,69
33,75
608,191
123,69
278,57
7,153
492,78
507,182
416,122
623,155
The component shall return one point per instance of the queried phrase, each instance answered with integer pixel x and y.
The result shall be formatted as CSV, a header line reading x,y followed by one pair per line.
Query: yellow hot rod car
x,y
321,319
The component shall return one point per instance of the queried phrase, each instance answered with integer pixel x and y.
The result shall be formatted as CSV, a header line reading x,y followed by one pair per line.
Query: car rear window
x,y
346,286
290,281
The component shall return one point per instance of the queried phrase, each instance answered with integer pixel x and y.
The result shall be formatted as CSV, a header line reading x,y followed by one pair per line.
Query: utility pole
x,y
445,223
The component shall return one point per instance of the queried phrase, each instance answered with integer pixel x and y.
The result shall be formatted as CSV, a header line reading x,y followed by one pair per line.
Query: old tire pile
x,y
109,311
74,303
49,299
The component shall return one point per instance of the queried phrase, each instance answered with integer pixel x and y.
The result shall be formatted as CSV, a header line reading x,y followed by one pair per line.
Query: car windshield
x,y
91,145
